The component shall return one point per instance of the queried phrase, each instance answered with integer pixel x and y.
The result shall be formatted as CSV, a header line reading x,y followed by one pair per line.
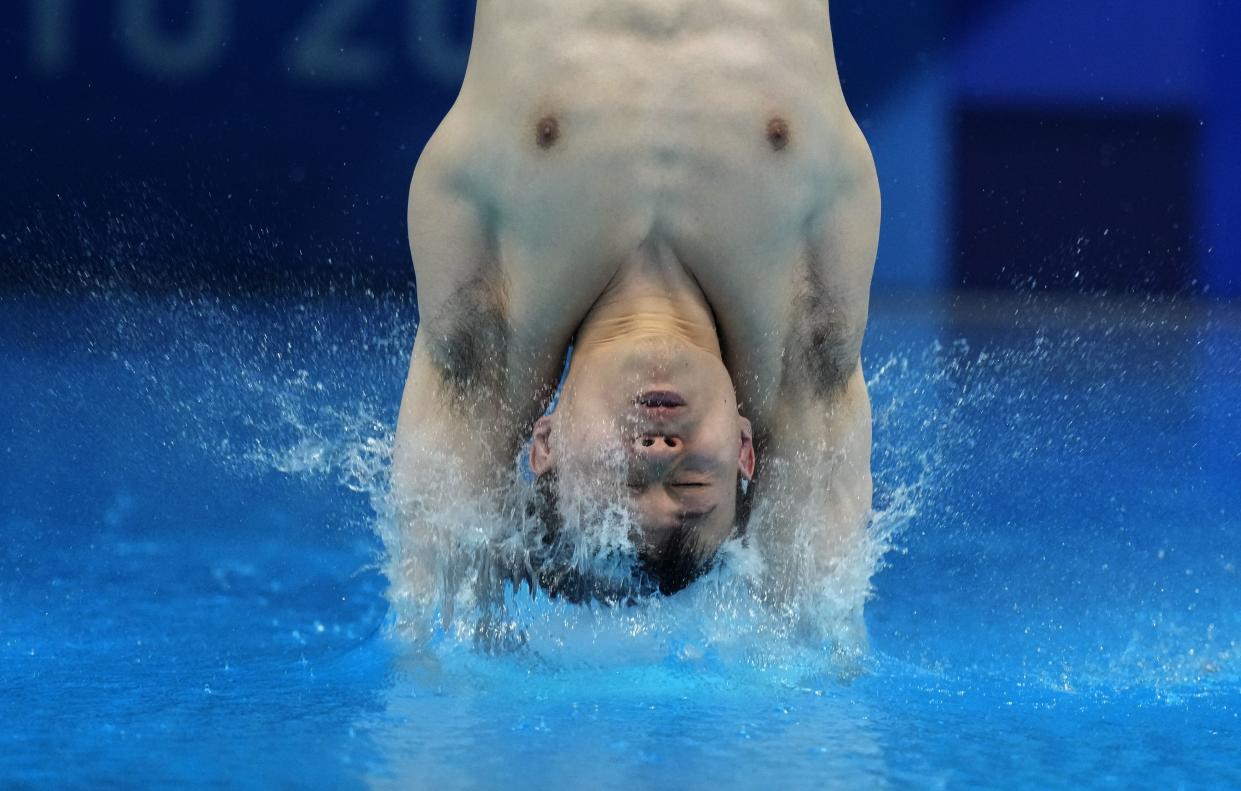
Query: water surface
x,y
191,588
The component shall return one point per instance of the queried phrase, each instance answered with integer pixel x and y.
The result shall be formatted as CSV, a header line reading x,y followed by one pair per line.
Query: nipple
x,y
547,131
778,133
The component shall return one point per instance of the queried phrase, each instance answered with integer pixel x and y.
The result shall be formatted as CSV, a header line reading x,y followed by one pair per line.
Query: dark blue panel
x,y
1076,201
1222,160
262,136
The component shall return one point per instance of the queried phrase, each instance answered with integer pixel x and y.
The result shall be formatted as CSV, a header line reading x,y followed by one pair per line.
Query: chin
x,y
656,356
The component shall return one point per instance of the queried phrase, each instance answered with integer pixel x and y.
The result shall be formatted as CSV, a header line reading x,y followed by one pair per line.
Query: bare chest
x,y
594,134
590,131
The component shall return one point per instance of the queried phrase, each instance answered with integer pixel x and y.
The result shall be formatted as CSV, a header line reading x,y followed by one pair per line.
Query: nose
x,y
658,447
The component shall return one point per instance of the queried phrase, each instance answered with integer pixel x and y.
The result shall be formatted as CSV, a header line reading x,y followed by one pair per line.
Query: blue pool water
x,y
191,590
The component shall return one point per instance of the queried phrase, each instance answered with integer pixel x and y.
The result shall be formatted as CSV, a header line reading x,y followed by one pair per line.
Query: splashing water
x,y
468,577
309,389
277,401
452,584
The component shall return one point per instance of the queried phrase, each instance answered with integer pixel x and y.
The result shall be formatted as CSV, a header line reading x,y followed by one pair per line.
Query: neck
x,y
653,299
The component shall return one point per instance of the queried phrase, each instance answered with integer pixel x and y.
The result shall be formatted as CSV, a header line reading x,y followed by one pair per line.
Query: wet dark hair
x,y
666,571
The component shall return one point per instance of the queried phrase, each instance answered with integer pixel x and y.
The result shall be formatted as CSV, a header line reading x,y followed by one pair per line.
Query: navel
x,y
778,133
547,131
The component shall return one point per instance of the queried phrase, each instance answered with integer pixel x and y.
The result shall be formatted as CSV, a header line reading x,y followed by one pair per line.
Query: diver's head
x,y
654,424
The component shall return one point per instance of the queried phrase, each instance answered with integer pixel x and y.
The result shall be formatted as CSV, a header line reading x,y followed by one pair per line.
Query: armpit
x,y
823,344
470,344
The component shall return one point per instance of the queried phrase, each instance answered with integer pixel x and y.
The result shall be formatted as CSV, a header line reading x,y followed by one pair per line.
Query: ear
x,y
745,460
542,459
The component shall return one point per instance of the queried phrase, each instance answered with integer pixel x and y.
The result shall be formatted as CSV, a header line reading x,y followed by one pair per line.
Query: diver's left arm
x,y
813,488
811,511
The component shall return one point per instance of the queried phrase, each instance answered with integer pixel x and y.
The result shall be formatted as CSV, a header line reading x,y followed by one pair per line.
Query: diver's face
x,y
657,426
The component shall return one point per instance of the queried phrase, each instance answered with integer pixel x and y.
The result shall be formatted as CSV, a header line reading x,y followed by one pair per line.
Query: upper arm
x,y
831,300
457,396
817,445
451,228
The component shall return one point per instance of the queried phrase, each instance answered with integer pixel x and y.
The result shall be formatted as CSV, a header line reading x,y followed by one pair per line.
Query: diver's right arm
x,y
449,446
462,413
452,466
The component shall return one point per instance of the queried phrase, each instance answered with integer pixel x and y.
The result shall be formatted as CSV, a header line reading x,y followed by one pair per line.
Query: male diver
x,y
677,190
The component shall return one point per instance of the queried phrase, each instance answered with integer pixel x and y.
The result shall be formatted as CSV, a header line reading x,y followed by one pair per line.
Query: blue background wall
x,y
1021,143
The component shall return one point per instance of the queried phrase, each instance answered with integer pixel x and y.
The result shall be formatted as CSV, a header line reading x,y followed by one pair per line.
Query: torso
x,y
714,130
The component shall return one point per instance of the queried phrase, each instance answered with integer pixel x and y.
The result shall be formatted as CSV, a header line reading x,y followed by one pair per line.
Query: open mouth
x,y
660,399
